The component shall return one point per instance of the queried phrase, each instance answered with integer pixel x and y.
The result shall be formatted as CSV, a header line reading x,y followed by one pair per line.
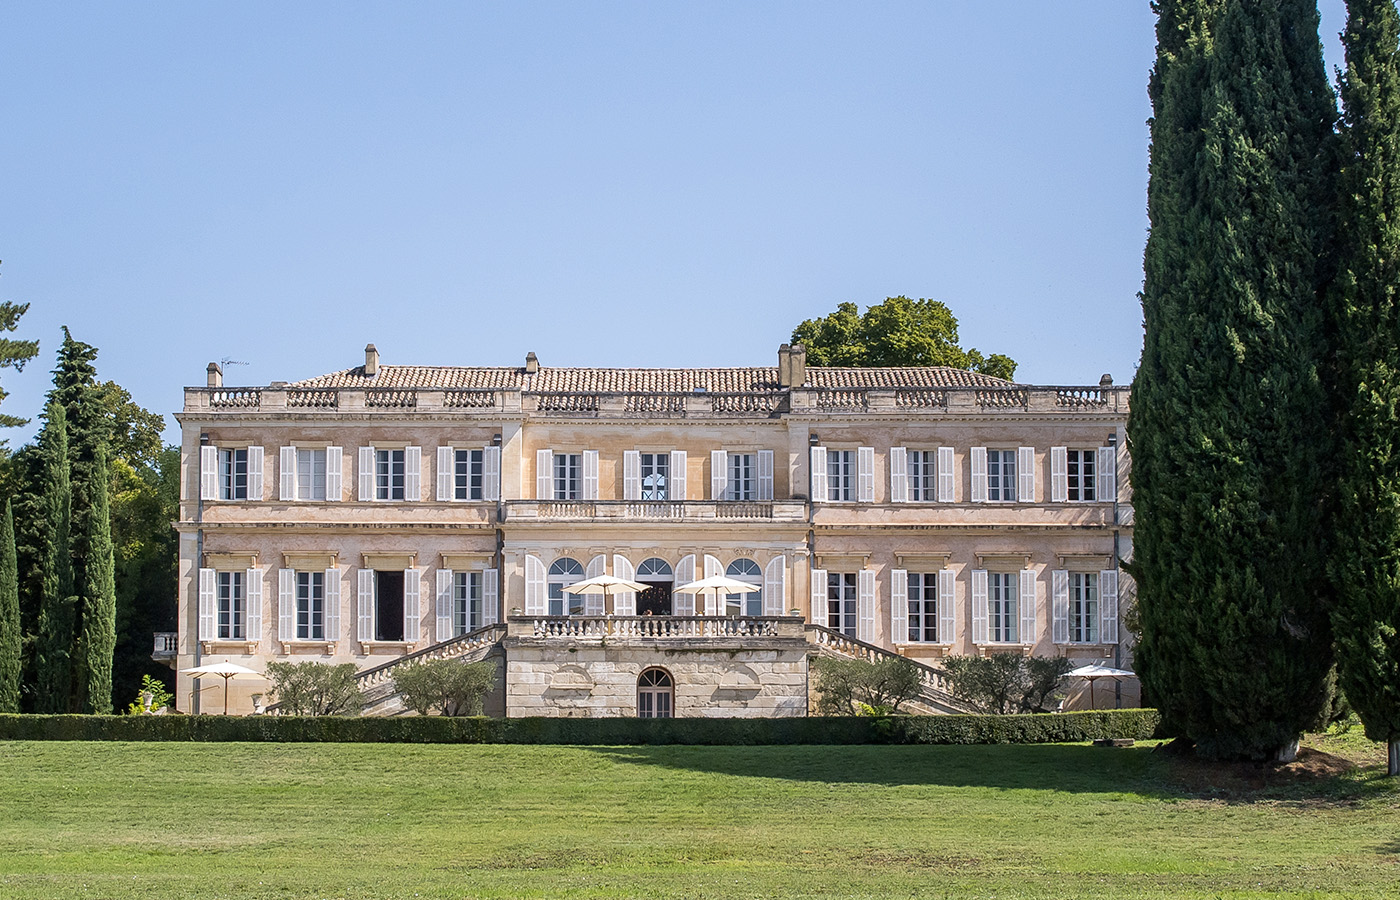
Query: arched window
x,y
564,572
655,570
747,571
655,694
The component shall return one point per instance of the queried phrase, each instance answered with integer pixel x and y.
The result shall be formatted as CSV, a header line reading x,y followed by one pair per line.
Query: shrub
x,y
451,687
878,688
161,698
315,689
1007,683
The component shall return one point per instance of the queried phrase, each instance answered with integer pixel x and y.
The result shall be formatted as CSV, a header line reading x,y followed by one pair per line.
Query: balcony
x,y
663,510
164,649
653,630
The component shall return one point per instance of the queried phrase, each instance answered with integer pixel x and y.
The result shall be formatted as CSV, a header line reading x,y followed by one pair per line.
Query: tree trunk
x,y
1287,753
1394,763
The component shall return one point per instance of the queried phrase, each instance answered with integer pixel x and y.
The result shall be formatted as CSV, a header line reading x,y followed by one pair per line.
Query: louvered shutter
x,y
714,600
865,605
366,474
445,631
490,596
595,604
286,604
1108,606
413,473
979,606
631,475
865,474
765,474
818,465
536,591
332,604
947,606
544,477
775,587
899,475
252,593
255,473
208,473
590,474
979,475
208,605
719,475
676,489
684,604
948,475
364,627
446,474
491,473
1059,475
899,606
625,603
335,460
1059,606
412,604
1025,474
1028,603
1108,474
817,597
287,474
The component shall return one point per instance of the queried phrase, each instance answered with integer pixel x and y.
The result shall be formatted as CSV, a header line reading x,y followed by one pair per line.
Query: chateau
x,y
384,512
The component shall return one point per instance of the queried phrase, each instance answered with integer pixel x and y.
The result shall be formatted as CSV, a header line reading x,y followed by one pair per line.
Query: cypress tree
x,y
1366,562
53,662
99,593
75,386
1227,428
11,642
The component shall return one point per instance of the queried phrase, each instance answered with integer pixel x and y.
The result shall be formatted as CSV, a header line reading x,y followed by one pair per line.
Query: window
x,y
1083,607
923,475
655,693
1001,605
1001,475
563,573
654,470
923,606
742,485
390,475
747,571
840,474
233,611
233,474
841,602
1080,472
466,602
389,605
568,476
469,475
311,474
311,606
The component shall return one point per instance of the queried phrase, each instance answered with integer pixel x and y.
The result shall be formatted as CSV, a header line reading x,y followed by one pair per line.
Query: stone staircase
x,y
933,699
381,698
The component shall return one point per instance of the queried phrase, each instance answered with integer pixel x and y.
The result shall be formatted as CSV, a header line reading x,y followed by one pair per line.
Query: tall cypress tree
x,y
75,386
1226,425
53,663
1366,563
99,592
11,642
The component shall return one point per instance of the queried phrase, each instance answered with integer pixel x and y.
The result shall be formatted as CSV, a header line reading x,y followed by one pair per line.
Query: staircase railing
x,y
936,689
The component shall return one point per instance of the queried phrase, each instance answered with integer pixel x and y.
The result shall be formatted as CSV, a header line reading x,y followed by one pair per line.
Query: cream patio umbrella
x,y
718,584
1094,672
224,670
607,585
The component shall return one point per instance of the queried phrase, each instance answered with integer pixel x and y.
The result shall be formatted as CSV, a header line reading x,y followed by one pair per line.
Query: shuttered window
x,y
840,475
1001,475
1003,611
233,474
568,476
652,472
311,606
390,475
233,608
921,599
747,571
841,602
310,474
1081,475
562,573
469,475
468,613
923,475
743,481
1083,608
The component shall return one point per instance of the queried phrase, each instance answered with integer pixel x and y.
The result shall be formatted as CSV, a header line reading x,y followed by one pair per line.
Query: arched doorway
x,y
563,573
655,694
658,576
747,571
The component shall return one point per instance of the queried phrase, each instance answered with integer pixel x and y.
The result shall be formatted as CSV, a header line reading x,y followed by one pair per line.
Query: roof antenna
x,y
230,361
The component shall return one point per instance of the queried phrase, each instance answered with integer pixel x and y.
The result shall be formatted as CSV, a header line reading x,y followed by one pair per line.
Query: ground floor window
x,y
923,607
563,573
466,602
311,606
747,571
1001,606
1083,607
388,605
841,602
233,610
655,693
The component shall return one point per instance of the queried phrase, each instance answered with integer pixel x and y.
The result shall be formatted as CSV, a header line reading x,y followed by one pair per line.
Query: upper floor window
x,y
469,475
568,476
1001,475
1080,474
1083,607
840,474
233,474
1002,605
745,570
742,483
923,475
923,606
654,469
390,475
233,609
311,474
563,573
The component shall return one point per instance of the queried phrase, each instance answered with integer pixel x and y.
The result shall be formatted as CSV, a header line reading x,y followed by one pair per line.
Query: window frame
x,y
1003,607
922,608
230,605
468,601
569,604
745,604
311,455
921,468
388,483
469,473
1081,475
230,487
310,604
1001,487
1084,612
654,466
567,476
840,485
843,607
741,475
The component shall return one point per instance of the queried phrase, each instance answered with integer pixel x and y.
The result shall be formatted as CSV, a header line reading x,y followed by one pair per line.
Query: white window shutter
x,y
979,606
252,592
590,474
208,603
631,475
1059,606
413,473
947,606
865,605
544,478
865,474
208,473
332,604
684,604
1025,474
286,604
899,475
817,463
719,475
1108,474
817,597
490,596
765,474
335,460
775,587
979,475
1108,606
595,604
899,606
1027,602
676,489
446,474
536,590
366,475
412,604
491,473
948,474
364,628
287,474
444,606
1059,475
625,603
714,601
712,566
255,473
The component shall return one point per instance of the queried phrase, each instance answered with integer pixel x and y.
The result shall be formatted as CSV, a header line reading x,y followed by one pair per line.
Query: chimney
x,y
532,363
216,375
797,365
1106,380
371,361
784,366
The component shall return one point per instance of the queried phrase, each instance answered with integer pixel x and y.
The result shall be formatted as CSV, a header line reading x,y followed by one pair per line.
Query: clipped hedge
x,y
1033,729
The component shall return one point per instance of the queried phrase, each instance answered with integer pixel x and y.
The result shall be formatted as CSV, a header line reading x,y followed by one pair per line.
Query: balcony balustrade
x,y
628,629
676,510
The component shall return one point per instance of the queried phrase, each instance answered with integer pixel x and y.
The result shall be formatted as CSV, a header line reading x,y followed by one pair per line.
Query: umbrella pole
x,y
1091,692
226,678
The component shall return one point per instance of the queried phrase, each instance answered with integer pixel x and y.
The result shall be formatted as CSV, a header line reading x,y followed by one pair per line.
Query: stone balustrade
x,y
627,629
681,510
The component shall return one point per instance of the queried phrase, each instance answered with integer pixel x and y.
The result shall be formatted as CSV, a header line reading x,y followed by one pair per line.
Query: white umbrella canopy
x,y
1094,672
719,584
224,670
604,584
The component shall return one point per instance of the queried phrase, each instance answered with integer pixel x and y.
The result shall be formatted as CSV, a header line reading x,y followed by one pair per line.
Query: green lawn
x,y
345,820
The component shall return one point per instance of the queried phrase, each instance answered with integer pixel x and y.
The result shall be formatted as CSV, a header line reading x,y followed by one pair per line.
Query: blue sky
x,y
612,184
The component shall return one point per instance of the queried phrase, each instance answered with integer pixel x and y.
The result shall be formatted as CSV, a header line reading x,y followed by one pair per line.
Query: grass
x,y
365,821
